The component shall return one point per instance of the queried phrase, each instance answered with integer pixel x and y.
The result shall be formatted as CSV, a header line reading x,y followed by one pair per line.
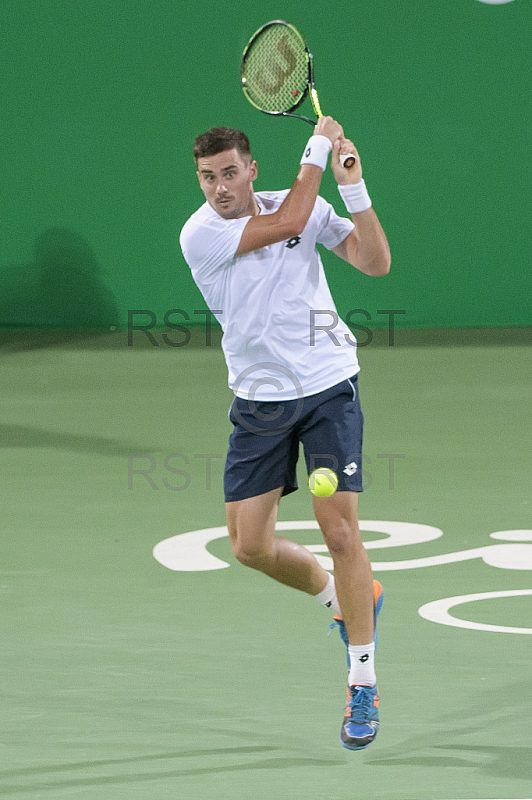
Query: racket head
x,y
275,68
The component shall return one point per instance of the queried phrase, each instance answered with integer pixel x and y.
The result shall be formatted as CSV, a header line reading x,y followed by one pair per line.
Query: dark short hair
x,y
219,139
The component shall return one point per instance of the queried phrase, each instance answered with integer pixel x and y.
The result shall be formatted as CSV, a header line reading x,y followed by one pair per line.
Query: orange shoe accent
x,y
377,591
348,709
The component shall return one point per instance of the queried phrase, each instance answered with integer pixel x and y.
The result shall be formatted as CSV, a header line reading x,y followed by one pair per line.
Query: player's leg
x,y
338,519
251,524
260,468
332,437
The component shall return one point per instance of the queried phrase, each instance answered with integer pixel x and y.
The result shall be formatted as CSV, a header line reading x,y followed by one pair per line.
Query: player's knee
x,y
341,541
251,555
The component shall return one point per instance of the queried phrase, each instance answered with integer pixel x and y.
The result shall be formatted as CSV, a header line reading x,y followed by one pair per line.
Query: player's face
x,y
226,180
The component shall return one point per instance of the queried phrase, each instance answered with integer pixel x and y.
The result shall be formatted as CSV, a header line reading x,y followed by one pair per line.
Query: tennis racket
x,y
277,74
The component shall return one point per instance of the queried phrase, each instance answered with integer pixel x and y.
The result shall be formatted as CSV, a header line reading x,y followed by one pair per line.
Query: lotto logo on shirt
x,y
293,242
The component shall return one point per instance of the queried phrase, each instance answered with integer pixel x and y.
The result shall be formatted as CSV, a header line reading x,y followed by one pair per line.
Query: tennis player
x,y
293,369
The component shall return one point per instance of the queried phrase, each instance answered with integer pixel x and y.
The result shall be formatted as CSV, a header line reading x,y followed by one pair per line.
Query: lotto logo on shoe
x,y
351,468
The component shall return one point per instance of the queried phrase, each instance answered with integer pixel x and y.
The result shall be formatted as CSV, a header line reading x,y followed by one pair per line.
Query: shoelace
x,y
360,704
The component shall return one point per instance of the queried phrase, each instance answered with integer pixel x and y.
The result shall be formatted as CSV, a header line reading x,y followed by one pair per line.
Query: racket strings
x,y
275,72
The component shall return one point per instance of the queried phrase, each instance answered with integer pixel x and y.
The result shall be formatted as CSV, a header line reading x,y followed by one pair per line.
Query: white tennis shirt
x,y
272,303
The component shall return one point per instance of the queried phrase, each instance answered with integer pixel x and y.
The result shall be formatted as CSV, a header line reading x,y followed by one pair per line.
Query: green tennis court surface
x,y
123,678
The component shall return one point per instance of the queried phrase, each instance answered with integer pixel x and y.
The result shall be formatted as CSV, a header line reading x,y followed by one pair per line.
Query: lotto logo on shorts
x,y
351,468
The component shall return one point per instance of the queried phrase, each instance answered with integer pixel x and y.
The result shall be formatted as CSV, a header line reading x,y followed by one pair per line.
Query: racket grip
x,y
348,161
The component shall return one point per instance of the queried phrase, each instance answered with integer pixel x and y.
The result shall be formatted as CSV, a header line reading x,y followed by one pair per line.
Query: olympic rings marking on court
x,y
437,611
187,552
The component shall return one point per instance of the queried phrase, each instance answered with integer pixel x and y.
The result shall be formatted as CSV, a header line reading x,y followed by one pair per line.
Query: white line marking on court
x,y
187,552
437,611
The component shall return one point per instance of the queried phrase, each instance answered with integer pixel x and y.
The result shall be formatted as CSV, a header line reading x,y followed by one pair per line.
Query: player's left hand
x,y
342,175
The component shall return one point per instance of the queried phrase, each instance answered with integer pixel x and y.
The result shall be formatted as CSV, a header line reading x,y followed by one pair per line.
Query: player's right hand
x,y
327,126
342,175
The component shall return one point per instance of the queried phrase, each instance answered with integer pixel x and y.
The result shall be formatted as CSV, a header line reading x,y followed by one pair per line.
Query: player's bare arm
x,y
293,214
366,247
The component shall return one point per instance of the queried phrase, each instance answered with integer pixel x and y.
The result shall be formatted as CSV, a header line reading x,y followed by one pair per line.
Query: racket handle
x,y
348,161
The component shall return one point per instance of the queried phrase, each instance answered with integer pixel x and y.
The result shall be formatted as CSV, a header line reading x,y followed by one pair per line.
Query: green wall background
x,y
101,101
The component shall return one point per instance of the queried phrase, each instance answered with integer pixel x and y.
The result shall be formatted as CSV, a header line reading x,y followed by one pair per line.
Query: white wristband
x,y
355,196
317,151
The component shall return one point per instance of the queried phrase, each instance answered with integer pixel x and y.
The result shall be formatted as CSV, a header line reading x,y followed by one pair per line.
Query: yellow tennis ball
x,y
323,482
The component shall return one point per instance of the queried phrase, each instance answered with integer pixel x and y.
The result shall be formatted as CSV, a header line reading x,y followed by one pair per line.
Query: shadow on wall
x,y
61,290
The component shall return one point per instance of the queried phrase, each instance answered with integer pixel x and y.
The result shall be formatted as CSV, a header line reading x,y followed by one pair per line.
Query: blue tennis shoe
x,y
361,721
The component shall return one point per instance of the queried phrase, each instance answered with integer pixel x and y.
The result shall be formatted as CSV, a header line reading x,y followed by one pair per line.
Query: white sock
x,y
327,596
362,672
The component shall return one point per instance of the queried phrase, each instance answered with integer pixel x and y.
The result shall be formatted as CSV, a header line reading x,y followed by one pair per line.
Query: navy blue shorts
x,y
264,444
